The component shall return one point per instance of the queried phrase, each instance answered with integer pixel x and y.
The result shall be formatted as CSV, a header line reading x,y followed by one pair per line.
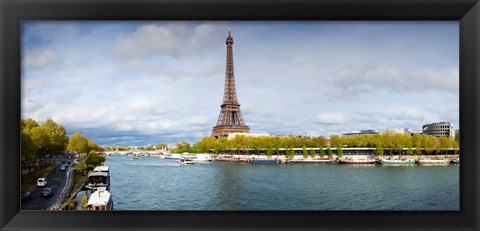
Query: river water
x,y
152,183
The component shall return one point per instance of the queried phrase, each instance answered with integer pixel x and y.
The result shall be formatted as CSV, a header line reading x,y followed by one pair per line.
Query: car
x,y
47,192
26,196
42,182
63,167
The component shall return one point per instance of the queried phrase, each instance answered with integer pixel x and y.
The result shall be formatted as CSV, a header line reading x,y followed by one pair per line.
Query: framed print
x,y
239,115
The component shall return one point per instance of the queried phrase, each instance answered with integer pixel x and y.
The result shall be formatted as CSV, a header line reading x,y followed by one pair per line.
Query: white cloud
x,y
364,78
163,81
198,120
331,118
39,58
174,40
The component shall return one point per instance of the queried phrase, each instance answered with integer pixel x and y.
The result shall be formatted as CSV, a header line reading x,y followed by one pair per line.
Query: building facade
x,y
362,132
439,129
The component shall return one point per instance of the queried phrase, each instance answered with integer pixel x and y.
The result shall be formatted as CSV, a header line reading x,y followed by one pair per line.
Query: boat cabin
x,y
100,200
98,179
102,169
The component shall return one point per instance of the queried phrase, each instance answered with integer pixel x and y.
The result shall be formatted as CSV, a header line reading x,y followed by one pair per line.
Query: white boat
x,y
102,169
100,200
433,161
98,180
173,156
204,157
397,161
185,161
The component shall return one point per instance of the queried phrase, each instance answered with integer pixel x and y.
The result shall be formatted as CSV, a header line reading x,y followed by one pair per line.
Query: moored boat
x,y
456,161
323,161
394,161
263,161
100,200
197,158
434,161
357,161
185,161
172,156
231,159
98,180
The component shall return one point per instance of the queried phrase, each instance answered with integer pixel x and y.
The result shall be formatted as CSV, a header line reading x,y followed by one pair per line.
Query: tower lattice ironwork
x,y
230,119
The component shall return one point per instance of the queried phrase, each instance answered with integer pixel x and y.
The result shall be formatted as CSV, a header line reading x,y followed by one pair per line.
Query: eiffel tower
x,y
230,119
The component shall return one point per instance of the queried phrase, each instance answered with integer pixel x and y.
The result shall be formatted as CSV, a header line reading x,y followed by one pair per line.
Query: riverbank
x,y
318,159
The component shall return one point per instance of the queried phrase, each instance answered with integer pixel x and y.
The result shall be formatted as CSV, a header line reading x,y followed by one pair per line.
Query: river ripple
x,y
151,183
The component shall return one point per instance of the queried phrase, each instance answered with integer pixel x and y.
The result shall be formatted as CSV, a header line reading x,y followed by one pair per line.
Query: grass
x,y
29,180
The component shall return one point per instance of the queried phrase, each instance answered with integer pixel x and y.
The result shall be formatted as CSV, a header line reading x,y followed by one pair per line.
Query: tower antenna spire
x,y
229,30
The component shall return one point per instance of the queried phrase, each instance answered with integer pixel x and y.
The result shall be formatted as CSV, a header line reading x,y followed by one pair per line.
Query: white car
x,y
63,167
41,182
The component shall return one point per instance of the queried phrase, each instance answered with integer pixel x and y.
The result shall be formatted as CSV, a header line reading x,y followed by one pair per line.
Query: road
x,y
57,181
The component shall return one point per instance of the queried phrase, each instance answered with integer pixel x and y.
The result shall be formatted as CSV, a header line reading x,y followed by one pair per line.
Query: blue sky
x,y
139,83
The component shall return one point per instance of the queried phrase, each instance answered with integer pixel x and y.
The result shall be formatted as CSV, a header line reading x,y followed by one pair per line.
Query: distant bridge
x,y
132,152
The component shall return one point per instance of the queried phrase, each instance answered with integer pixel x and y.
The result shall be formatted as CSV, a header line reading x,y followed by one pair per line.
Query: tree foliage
x,y
78,143
94,159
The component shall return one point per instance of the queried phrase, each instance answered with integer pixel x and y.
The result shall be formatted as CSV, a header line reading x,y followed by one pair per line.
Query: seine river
x,y
151,183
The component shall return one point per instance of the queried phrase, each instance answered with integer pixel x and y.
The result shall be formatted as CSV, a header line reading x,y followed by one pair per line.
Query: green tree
x,y
455,146
339,151
379,149
78,143
161,146
445,144
41,140
183,145
305,152
312,153
58,139
94,159
430,143
322,152
29,149
329,153
206,144
93,146
28,124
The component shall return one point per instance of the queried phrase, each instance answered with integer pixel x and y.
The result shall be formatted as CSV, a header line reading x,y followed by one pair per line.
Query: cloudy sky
x,y
139,83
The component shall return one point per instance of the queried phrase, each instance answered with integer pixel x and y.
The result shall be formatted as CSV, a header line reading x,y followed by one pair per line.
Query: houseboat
x,y
265,161
97,180
172,156
434,161
199,157
357,161
100,200
396,161
102,169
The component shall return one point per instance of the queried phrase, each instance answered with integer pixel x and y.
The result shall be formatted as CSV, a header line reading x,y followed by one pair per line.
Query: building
x,y
439,129
362,132
230,119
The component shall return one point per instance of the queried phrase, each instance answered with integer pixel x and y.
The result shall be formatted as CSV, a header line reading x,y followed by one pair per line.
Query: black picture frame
x,y
12,12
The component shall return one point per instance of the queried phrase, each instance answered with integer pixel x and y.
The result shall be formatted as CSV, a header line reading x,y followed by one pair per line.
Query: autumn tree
x,y
56,133
161,146
94,159
77,143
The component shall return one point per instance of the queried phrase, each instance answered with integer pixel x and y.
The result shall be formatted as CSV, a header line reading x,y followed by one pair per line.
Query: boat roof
x,y
101,169
105,174
99,197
